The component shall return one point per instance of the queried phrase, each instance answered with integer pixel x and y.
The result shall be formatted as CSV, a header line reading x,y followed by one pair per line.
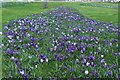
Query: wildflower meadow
x,y
60,43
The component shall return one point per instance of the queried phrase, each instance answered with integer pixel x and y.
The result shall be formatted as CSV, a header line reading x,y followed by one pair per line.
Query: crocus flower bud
x,y
77,60
110,73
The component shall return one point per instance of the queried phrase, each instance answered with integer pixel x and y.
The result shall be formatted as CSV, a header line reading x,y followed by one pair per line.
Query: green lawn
x,y
23,10
103,3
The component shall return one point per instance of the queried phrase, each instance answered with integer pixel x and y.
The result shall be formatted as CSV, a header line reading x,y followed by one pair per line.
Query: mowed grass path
x,y
24,10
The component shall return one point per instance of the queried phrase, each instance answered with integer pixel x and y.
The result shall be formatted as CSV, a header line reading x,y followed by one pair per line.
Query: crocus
x,y
46,59
10,76
86,72
22,72
96,74
30,57
102,61
25,75
92,57
41,60
70,70
65,67
93,72
87,64
15,59
114,65
105,66
110,73
119,70
83,71
18,63
66,57
77,60
60,59
102,56
116,54
12,57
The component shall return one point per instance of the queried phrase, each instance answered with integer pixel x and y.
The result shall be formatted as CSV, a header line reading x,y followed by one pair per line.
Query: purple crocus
x,y
83,71
81,55
60,59
119,70
114,65
96,74
95,65
119,33
10,76
90,52
110,44
83,62
105,66
65,67
77,60
93,72
116,54
18,63
110,73
15,59
102,61
70,70
51,50
92,57
55,55
66,57
25,75
20,70
87,58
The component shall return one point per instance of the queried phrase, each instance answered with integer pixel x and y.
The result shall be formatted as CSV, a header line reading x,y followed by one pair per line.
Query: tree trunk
x,y
46,4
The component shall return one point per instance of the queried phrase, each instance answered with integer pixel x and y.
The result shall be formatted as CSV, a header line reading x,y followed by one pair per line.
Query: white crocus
x,y
22,72
36,66
10,37
96,42
9,41
41,60
105,63
86,72
12,57
30,57
55,47
20,59
52,44
83,32
1,33
31,67
87,64
17,37
36,46
28,35
102,56
81,51
46,59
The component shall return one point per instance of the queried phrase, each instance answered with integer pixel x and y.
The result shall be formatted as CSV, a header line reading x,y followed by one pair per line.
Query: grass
x,y
24,10
52,68
103,3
